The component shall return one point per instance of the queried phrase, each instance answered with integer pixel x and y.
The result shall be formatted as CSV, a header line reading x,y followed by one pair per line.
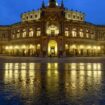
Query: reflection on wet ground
x,y
52,84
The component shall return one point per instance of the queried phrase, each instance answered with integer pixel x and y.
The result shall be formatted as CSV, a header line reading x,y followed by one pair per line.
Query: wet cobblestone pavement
x,y
52,83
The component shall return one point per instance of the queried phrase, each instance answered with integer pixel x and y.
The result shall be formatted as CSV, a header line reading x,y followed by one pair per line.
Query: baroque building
x,y
52,30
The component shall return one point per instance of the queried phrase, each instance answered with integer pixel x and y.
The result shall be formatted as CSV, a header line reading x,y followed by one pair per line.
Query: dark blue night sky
x,y
10,10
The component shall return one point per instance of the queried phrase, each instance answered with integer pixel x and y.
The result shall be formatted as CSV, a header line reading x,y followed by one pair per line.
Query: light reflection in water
x,y
23,75
76,77
52,76
79,74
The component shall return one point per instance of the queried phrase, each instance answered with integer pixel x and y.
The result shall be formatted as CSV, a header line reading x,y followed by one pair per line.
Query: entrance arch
x,y
52,48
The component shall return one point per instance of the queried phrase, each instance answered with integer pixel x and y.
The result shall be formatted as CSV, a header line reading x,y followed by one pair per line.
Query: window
x,y
13,36
38,32
66,46
74,16
74,33
31,32
35,16
92,34
87,34
81,33
52,30
27,17
31,16
66,32
18,34
24,33
38,46
81,18
69,15
78,17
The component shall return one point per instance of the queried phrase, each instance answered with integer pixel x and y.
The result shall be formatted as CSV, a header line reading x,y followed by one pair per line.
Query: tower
x,y
62,4
43,4
52,3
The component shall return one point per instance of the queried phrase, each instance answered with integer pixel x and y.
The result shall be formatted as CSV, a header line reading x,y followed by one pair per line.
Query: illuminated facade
x,y
52,31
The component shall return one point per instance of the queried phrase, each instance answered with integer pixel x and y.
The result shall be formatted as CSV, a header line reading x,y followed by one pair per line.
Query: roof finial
x,y
52,3
62,4
43,4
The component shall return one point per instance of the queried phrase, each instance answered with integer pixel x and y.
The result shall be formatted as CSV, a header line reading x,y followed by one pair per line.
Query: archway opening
x,y
52,48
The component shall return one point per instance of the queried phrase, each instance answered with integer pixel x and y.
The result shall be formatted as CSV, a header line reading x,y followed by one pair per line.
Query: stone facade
x,y
52,31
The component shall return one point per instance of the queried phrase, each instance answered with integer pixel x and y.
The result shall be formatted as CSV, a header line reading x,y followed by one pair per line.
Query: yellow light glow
x,y
73,46
6,47
94,47
73,66
16,47
88,47
11,47
81,46
66,46
38,46
31,46
52,44
23,47
89,66
98,47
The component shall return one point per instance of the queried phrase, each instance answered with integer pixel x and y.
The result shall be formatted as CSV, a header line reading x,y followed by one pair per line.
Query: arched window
x,y
24,33
31,32
38,33
13,34
67,32
81,33
87,33
38,46
52,30
66,46
18,34
74,32
93,35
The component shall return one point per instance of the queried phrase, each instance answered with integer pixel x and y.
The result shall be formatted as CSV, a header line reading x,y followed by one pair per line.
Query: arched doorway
x,y
52,48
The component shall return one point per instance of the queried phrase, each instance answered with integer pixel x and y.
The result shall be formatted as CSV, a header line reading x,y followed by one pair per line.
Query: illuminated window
x,y
13,36
81,33
38,32
24,33
31,32
87,34
66,46
92,34
81,47
18,34
16,47
52,30
67,32
69,15
38,46
74,33
23,46
31,47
